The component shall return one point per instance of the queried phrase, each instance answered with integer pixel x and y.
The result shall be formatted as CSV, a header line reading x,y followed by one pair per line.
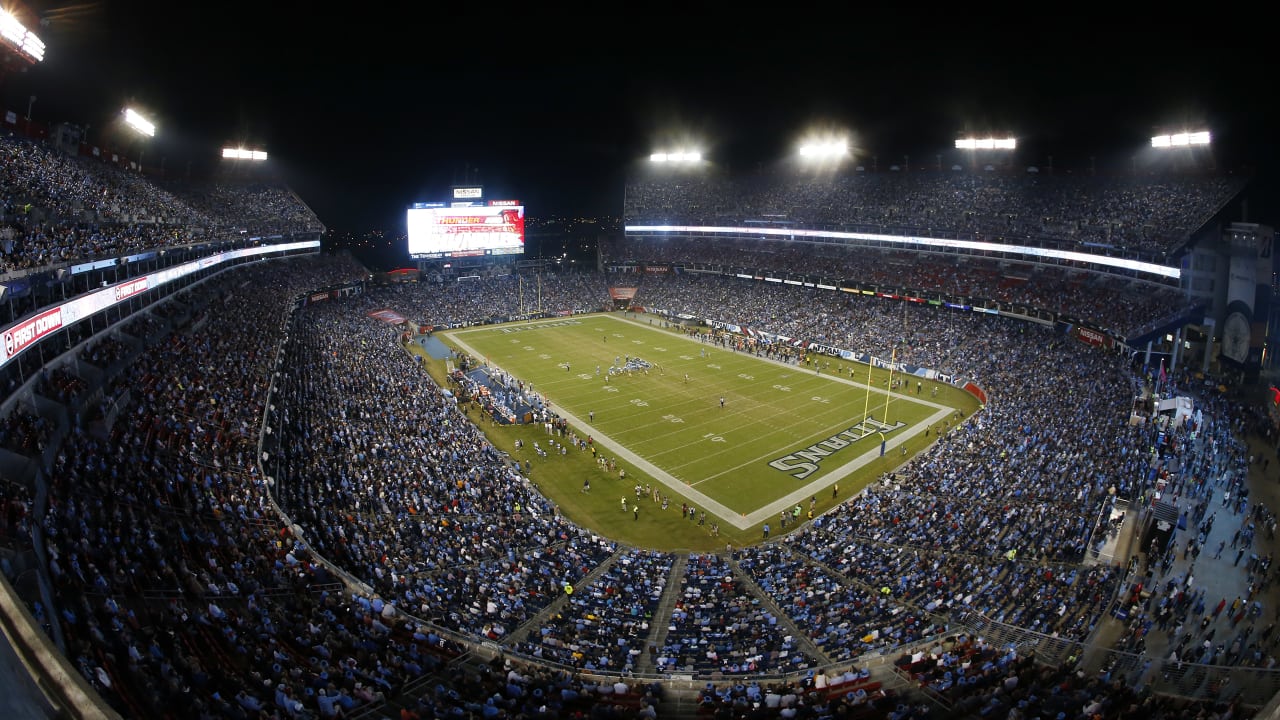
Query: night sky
x,y
367,109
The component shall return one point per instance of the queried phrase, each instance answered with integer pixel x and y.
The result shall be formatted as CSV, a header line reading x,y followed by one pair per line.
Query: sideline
x,y
703,501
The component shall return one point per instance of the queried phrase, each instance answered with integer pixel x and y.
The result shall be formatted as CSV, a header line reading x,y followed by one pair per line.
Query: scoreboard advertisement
x,y
466,229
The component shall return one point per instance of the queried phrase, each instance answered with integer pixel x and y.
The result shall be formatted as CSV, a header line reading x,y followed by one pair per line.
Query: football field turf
x,y
744,436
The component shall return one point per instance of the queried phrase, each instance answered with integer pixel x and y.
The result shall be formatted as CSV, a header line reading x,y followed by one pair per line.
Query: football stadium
x,y
955,441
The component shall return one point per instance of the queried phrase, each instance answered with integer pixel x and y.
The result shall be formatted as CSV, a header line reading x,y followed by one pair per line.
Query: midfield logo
x,y
803,463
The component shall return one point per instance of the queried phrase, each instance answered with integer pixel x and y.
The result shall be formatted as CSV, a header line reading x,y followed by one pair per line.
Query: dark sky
x,y
368,108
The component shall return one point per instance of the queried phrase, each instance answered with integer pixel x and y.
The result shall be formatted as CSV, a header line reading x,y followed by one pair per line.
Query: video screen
x,y
441,232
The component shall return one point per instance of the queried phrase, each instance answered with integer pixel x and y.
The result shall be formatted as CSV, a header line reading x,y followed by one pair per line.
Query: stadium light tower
x,y
19,49
25,44
823,150
989,143
141,125
242,154
1182,139
1177,147
676,157
982,148
238,160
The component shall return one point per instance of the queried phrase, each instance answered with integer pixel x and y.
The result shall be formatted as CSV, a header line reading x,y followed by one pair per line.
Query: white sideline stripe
x,y
704,502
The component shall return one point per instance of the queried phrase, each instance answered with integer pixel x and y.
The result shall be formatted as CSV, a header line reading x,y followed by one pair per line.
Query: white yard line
x,y
705,502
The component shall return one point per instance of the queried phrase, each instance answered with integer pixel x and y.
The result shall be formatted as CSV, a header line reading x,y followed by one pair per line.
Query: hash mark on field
x,y
755,418
745,416
759,405
752,415
798,431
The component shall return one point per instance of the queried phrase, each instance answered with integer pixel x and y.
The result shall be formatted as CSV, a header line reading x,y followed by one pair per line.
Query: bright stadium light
x,y
17,36
139,123
824,149
686,157
1181,139
242,154
987,143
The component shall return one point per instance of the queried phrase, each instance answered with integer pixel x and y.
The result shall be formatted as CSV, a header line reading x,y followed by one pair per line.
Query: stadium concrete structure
x,y
168,552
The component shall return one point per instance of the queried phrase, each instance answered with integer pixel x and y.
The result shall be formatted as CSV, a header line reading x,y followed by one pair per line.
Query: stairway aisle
x,y
803,642
558,604
660,623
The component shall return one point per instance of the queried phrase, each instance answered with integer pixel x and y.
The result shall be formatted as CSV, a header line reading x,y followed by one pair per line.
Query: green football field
x,y
745,437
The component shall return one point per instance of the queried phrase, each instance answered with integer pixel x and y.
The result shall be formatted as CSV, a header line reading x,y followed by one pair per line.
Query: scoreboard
x,y
465,228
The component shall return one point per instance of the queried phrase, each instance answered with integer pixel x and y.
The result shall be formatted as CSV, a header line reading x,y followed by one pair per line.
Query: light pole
x,y
145,128
30,102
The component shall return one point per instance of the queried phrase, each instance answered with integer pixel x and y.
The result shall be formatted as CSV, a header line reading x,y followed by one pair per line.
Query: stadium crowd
x,y
847,620
605,626
57,208
417,504
1148,215
716,626
970,280
509,297
421,507
1017,457
176,583
984,467
977,678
